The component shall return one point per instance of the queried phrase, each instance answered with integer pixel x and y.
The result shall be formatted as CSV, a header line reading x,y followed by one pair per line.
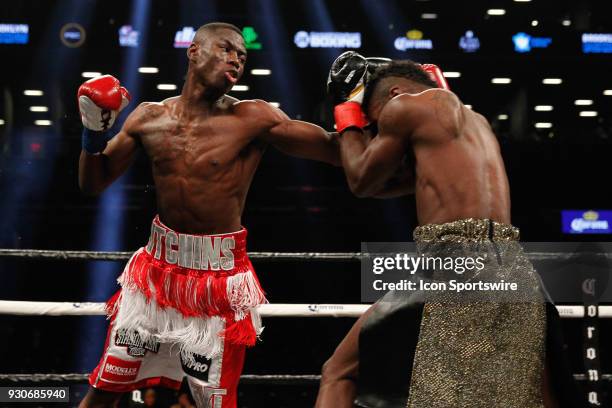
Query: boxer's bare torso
x,y
203,162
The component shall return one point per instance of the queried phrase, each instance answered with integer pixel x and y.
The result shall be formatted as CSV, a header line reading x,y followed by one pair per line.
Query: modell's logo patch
x,y
120,371
136,347
196,366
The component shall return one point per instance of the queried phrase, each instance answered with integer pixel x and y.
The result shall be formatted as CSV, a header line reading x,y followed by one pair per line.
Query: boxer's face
x,y
218,58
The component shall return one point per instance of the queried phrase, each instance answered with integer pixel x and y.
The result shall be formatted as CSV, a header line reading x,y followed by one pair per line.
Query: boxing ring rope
x,y
26,308
74,378
267,256
124,256
276,379
29,308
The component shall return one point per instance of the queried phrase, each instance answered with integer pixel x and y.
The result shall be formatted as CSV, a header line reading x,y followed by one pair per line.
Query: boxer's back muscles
x,y
458,166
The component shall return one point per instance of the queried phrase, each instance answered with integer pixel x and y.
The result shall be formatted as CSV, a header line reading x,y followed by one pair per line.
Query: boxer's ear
x,y
192,51
394,91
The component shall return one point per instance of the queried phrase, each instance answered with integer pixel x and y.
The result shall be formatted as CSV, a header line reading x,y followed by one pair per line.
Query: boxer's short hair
x,y
397,68
216,26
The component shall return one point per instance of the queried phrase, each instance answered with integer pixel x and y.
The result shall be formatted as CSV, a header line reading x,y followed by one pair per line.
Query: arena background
x,y
293,205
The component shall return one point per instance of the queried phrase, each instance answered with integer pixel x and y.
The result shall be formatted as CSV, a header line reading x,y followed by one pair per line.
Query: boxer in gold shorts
x,y
407,351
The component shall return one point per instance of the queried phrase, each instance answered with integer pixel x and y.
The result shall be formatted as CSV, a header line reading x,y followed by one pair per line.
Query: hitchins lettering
x,y
191,251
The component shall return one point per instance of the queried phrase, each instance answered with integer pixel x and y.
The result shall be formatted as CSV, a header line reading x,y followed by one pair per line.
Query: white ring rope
x,y
25,308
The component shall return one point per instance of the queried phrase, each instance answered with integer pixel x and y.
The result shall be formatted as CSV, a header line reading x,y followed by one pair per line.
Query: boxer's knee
x,y
327,370
336,369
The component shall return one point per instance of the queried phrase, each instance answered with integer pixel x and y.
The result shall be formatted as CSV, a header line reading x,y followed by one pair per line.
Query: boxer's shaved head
x,y
386,76
217,56
209,28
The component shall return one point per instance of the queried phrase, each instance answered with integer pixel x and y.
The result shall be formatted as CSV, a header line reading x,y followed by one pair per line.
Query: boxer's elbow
x,y
361,187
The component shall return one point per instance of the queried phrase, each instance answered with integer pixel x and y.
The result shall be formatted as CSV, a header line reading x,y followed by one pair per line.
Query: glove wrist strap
x,y
93,142
349,115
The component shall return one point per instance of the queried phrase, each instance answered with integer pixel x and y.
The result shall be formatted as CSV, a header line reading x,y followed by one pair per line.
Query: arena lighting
x,y
275,104
583,102
543,125
429,16
501,80
566,22
543,108
451,74
496,12
607,92
148,70
468,106
166,87
273,29
503,116
1,122
42,122
259,71
522,1
39,109
588,114
90,74
552,81
534,23
33,92
240,88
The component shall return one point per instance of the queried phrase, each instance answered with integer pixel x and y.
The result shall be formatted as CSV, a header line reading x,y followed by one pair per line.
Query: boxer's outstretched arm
x,y
297,138
98,171
370,164
305,140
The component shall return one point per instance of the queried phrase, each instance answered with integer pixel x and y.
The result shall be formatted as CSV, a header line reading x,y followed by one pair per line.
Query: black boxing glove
x,y
347,77
345,82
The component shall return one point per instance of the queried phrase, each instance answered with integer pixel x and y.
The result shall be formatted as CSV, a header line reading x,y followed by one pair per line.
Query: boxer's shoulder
x,y
151,110
143,114
258,110
426,111
404,111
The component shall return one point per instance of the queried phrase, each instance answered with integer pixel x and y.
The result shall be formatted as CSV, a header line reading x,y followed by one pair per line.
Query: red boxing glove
x,y
436,74
349,114
100,100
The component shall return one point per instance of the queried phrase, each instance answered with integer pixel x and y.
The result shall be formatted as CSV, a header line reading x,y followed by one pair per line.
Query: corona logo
x,y
590,215
413,40
414,34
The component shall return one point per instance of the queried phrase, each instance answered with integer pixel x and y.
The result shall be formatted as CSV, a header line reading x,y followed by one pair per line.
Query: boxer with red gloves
x,y
407,352
188,299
